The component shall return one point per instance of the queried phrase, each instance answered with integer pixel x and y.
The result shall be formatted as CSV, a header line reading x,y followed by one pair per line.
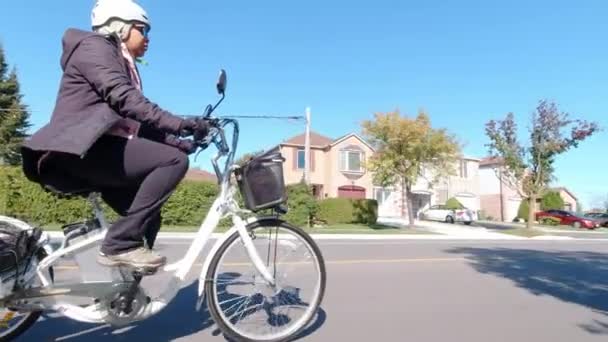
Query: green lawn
x,y
363,229
525,232
331,229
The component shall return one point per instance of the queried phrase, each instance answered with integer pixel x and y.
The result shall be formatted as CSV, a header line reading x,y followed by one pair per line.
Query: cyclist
x,y
106,134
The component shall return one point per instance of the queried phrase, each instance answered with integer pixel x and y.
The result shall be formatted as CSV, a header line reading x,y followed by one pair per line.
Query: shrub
x,y
550,221
301,204
524,210
189,204
453,203
344,210
552,200
28,201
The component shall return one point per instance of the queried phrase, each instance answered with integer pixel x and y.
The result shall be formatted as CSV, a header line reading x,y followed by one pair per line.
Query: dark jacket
x,y
95,92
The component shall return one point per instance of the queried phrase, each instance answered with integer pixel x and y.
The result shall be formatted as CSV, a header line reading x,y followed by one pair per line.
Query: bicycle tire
x,y
32,316
209,282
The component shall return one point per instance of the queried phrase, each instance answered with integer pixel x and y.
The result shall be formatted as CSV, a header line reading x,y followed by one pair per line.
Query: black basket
x,y
261,181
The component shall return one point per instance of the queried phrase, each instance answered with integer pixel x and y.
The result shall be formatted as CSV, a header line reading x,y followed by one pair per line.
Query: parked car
x,y
442,213
601,217
569,219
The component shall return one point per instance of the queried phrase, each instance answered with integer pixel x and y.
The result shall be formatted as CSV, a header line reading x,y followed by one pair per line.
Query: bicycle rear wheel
x,y
240,301
13,323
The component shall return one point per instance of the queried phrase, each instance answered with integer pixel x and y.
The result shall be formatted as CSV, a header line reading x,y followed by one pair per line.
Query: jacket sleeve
x,y
99,61
153,134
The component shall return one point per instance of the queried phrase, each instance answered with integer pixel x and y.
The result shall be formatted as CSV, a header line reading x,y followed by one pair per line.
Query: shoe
x,y
138,258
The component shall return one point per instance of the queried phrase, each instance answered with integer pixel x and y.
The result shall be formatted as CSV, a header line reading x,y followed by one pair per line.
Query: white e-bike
x,y
263,279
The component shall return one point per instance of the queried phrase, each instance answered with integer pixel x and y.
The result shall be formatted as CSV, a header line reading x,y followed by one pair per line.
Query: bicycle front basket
x,y
261,181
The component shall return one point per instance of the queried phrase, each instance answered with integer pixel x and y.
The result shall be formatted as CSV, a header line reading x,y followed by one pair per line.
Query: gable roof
x,y
320,141
339,140
316,140
487,161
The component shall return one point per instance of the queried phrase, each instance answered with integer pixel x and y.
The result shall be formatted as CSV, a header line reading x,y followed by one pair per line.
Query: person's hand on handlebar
x,y
198,128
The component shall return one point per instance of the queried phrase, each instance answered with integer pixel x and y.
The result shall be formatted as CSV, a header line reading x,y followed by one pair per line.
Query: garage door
x,y
512,209
351,191
469,201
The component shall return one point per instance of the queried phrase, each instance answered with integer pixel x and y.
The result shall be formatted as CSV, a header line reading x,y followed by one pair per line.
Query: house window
x,y
381,194
463,172
301,159
350,161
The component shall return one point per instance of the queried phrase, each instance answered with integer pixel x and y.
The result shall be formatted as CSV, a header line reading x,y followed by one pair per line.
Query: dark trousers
x,y
135,178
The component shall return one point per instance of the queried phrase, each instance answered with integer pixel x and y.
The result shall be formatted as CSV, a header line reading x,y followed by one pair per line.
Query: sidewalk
x,y
458,231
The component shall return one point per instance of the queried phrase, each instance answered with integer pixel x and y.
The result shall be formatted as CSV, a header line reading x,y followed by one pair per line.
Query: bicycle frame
x,y
223,206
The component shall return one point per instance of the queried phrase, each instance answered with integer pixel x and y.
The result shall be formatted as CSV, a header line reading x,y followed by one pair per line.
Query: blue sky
x,y
465,62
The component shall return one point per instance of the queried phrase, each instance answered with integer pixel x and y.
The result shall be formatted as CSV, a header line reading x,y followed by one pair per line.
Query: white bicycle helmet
x,y
126,10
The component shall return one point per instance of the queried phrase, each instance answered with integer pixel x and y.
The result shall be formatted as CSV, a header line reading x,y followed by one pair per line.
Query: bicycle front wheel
x,y
244,305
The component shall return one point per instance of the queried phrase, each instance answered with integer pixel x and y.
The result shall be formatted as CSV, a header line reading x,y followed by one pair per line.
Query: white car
x,y
443,214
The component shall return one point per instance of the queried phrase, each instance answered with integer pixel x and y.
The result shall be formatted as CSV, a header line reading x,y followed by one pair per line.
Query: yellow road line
x,y
391,261
330,262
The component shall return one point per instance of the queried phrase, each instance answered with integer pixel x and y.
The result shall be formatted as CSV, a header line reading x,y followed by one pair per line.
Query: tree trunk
x,y
403,197
531,211
410,208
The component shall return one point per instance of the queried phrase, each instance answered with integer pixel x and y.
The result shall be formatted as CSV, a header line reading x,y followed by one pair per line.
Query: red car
x,y
569,219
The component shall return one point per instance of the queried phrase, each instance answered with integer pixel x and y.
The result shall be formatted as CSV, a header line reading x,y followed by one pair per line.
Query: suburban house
x,y
570,201
500,201
337,170
336,165
463,185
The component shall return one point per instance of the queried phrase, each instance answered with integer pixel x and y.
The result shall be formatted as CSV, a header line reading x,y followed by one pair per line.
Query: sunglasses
x,y
143,29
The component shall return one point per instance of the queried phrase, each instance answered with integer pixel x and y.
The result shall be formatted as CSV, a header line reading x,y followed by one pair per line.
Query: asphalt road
x,y
413,290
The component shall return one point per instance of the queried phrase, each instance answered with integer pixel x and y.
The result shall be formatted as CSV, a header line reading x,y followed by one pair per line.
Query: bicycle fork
x,y
253,254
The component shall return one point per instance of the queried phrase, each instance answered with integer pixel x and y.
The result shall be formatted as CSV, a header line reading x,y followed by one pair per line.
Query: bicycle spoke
x,y
230,300
252,309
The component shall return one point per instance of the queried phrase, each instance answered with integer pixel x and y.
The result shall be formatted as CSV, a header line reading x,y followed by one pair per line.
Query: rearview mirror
x,y
221,82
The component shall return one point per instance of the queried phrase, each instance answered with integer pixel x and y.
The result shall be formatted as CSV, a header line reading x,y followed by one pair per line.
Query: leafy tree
x,y
14,117
407,149
552,200
529,169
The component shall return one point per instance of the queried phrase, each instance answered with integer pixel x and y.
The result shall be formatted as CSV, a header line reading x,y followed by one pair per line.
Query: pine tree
x,y
14,116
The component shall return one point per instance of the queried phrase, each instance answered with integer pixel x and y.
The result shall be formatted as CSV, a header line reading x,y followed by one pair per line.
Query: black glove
x,y
187,146
197,128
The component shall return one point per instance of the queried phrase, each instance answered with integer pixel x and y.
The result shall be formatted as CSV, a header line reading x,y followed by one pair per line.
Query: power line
x,y
293,117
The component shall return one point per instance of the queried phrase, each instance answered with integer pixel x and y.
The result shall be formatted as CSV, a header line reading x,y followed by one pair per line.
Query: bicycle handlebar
x,y
217,136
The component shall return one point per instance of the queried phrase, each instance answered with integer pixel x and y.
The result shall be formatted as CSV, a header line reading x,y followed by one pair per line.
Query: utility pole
x,y
307,148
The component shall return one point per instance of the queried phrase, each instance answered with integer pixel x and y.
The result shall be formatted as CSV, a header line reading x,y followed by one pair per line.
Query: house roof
x,y
316,140
321,141
487,161
342,138
200,175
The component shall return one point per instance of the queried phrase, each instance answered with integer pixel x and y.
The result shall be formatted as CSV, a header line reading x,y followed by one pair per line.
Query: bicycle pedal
x,y
144,271
138,271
